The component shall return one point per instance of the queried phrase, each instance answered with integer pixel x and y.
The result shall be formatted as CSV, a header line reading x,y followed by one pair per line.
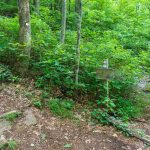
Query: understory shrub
x,y
61,107
8,9
5,73
10,145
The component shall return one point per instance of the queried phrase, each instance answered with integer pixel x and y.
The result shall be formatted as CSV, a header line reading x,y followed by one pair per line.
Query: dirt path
x,y
40,130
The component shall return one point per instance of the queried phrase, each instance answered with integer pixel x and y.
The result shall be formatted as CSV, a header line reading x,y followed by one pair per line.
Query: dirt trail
x,y
40,130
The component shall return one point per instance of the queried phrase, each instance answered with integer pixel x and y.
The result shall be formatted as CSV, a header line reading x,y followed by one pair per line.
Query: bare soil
x,y
53,133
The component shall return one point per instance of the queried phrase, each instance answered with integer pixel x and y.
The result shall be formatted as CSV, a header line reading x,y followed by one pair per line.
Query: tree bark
x,y
24,34
79,22
63,21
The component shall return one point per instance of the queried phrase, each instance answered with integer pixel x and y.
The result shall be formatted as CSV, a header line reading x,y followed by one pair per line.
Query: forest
x,y
75,60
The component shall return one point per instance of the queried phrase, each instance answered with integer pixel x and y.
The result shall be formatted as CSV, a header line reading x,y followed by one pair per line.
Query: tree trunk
x,y
79,22
76,5
63,22
24,34
37,6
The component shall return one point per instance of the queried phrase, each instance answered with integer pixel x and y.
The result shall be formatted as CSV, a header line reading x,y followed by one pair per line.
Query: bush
x,y
100,116
62,108
119,108
38,104
8,9
127,109
5,74
10,145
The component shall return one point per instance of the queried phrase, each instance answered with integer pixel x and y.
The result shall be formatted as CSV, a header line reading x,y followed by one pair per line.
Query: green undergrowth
x,y
10,145
38,104
61,107
123,109
8,9
13,116
6,74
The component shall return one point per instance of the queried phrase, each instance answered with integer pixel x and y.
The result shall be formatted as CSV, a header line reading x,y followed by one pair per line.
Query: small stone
x,y
129,148
32,145
2,139
109,140
123,147
18,86
66,137
88,141
115,135
97,131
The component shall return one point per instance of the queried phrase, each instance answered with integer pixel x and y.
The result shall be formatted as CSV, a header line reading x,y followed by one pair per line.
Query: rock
x,y
18,86
115,135
4,126
123,147
97,131
30,119
144,84
88,141
2,139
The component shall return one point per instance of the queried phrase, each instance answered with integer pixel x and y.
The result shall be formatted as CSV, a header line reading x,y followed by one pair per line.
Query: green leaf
x,y
67,145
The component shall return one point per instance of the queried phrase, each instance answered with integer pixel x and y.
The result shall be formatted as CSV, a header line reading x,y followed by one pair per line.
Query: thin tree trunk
x,y
37,6
76,3
79,22
24,34
63,22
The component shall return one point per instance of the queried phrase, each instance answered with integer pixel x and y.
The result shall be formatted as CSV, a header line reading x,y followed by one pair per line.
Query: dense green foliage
x,y
5,73
13,116
61,108
10,145
117,30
